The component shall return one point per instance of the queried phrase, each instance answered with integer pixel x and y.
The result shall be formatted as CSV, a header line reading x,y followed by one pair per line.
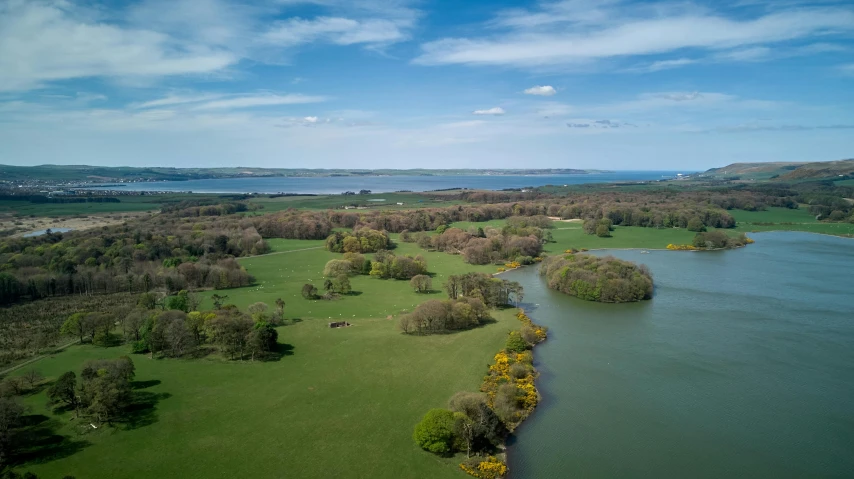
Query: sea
x,y
386,184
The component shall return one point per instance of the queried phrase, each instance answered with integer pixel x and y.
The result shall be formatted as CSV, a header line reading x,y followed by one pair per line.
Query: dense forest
x,y
604,279
163,252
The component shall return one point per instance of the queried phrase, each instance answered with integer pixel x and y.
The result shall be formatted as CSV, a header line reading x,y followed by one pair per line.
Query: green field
x,y
342,405
409,200
26,208
784,219
282,275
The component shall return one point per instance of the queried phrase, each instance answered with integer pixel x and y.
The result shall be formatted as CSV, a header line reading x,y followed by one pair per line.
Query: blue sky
x,y
437,84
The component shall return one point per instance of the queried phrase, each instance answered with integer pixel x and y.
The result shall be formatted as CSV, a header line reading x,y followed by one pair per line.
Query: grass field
x,y
342,405
409,200
784,219
72,209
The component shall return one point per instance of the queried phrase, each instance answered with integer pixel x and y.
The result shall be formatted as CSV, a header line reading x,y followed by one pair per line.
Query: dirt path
x,y
37,358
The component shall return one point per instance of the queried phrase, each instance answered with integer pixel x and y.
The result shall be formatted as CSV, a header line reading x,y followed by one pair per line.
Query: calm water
x,y
741,366
384,184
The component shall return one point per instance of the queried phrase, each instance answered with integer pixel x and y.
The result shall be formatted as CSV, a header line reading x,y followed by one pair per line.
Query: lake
x,y
742,365
385,184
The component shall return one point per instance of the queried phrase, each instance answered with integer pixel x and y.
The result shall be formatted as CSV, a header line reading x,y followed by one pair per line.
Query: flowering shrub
x,y
539,330
513,265
489,468
502,269
681,247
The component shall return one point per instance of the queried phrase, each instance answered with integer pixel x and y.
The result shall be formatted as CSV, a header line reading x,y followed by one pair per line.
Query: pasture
x,y
339,403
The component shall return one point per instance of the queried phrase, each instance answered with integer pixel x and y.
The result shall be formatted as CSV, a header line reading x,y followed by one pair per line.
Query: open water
x,y
385,184
742,365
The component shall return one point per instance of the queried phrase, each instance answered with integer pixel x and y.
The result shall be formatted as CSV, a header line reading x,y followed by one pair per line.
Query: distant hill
x,y
785,171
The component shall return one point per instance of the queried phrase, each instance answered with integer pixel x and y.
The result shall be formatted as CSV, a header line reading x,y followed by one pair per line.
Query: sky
x,y
603,84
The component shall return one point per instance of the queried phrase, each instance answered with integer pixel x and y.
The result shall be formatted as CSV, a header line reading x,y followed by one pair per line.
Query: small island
x,y
593,278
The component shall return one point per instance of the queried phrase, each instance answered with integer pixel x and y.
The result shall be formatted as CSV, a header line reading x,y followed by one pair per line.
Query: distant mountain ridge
x,y
785,171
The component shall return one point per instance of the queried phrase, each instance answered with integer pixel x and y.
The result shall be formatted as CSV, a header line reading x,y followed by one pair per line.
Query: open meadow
x,y
339,402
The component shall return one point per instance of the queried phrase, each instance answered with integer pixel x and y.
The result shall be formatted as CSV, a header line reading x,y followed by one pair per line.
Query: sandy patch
x,y
573,220
76,223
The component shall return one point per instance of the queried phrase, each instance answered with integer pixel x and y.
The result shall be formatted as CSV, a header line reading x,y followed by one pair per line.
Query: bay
x,y
742,365
384,184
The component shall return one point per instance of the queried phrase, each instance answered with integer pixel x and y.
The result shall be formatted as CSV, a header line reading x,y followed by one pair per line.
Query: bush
x,y
435,432
309,291
515,343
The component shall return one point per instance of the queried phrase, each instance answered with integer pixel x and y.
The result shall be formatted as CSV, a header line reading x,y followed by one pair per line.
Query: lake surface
x,y
43,232
385,184
742,365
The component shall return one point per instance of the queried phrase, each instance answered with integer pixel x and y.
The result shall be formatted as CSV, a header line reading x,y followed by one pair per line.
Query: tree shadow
x,y
37,441
144,384
282,350
142,411
353,293
199,353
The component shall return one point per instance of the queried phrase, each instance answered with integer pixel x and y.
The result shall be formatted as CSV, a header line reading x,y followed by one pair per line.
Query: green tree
x,y
309,291
421,283
435,432
341,284
180,301
74,325
696,224
64,390
218,300
603,231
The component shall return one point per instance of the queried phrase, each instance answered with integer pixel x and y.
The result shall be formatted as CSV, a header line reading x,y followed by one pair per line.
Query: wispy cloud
x,y
545,90
45,41
567,32
491,111
258,101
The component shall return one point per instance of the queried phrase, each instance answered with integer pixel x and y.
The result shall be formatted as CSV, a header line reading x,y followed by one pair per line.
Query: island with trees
x,y
593,278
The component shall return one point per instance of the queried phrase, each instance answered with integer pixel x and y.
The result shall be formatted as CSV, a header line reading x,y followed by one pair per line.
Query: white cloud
x,y
744,55
310,119
597,33
663,65
258,100
491,111
340,31
172,100
545,90
46,41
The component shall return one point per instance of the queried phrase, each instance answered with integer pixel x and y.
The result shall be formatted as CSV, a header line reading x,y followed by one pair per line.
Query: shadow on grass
x,y
142,410
352,293
199,353
37,441
144,384
282,350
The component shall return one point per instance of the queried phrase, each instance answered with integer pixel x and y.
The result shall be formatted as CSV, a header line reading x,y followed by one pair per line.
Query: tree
x,y
337,267
341,284
435,432
218,300
280,310
258,311
33,377
74,325
421,283
262,339
696,224
64,390
603,231
10,417
309,291
328,285
179,302
106,389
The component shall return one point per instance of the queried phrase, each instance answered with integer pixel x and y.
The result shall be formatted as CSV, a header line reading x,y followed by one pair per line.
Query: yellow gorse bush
x,y
491,468
681,247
